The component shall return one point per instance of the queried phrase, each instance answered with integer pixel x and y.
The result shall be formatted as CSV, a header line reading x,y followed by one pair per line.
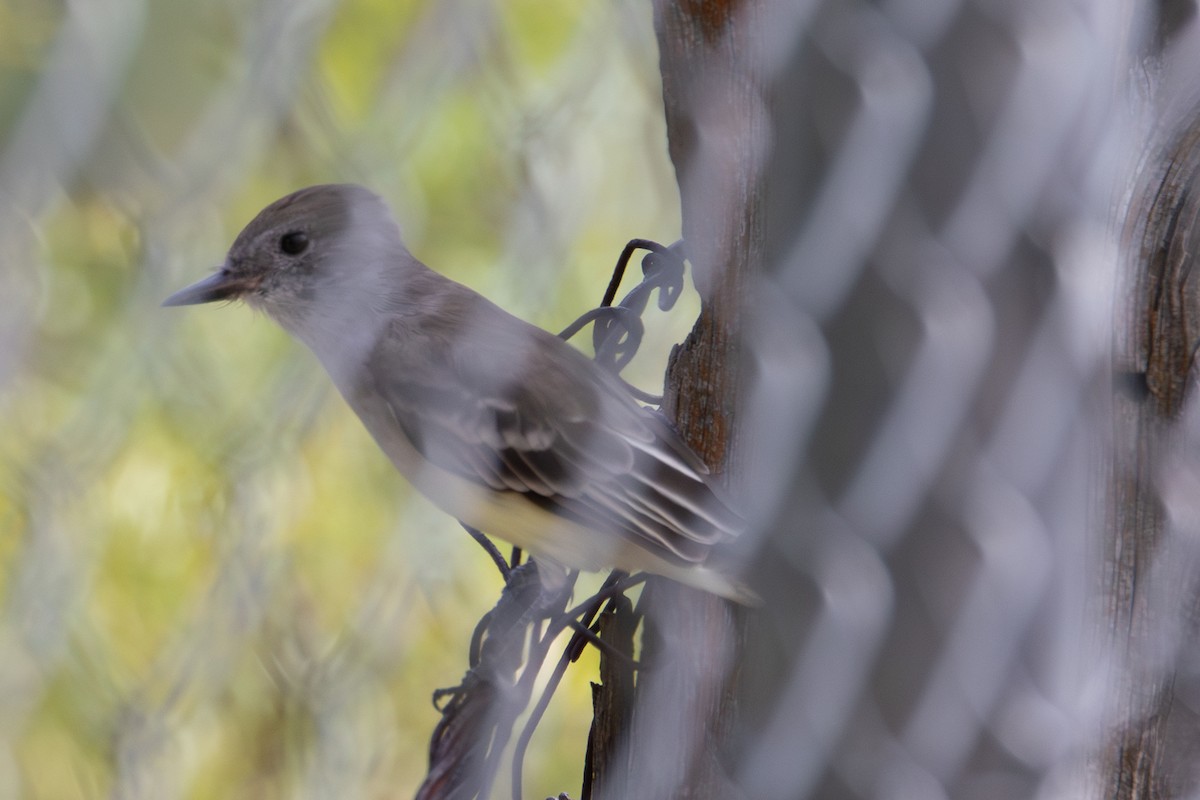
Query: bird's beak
x,y
218,286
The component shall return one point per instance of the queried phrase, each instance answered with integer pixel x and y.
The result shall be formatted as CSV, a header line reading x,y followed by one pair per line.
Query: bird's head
x,y
309,259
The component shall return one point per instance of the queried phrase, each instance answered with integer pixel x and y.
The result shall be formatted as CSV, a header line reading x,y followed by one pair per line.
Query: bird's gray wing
x,y
507,405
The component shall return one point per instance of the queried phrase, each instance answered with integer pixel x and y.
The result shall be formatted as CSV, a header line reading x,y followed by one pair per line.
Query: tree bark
x,y
683,709
1150,592
1151,587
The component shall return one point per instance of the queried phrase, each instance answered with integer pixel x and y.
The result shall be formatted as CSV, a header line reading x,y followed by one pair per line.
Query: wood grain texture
x,y
685,713
1150,587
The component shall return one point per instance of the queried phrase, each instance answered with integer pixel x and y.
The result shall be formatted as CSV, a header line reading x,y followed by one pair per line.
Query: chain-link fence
x,y
941,304
214,586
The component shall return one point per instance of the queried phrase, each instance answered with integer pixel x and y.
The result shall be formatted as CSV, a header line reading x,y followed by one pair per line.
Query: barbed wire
x,y
509,647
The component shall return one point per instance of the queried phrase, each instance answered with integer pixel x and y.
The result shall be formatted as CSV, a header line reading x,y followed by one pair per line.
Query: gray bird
x,y
499,423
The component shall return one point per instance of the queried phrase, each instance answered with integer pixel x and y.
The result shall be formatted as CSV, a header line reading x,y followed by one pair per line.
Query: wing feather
x,y
496,401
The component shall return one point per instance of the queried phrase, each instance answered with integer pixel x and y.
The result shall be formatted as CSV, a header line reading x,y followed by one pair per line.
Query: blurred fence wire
x,y
933,333
213,585
211,589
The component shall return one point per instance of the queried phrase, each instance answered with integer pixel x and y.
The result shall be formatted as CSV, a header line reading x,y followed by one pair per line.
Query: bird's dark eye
x,y
294,243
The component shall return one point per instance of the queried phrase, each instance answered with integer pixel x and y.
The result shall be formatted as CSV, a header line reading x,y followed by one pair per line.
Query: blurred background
x,y
213,584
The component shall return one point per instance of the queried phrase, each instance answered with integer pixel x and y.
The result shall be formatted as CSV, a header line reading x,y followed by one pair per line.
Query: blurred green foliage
x,y
213,585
